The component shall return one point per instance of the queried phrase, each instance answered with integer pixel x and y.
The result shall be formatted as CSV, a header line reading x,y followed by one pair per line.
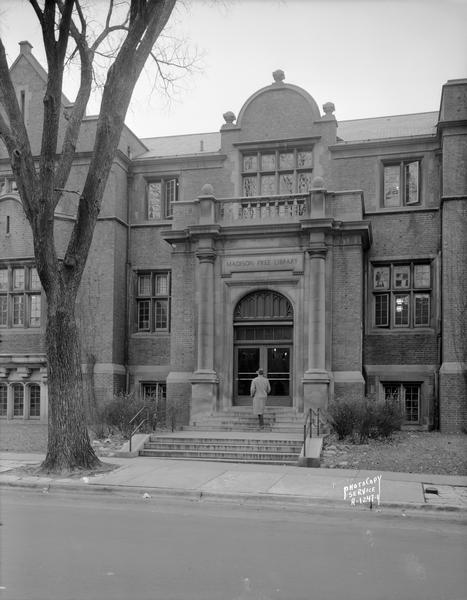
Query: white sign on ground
x,y
365,491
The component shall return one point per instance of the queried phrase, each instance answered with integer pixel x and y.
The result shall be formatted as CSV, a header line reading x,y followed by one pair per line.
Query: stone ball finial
x,y
318,182
207,190
279,76
329,108
229,117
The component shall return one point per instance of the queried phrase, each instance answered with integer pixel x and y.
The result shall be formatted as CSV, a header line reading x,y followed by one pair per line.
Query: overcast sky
x,y
369,57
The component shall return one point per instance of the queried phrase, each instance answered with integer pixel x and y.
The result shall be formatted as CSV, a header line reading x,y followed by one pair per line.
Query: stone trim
x,y
180,377
453,367
105,368
347,377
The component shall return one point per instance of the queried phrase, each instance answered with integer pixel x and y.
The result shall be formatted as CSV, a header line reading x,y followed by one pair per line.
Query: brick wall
x,y
18,436
179,398
453,386
453,405
400,349
362,169
405,234
352,392
347,296
183,343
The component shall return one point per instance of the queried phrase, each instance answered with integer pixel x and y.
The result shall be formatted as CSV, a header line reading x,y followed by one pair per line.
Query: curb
x,y
237,498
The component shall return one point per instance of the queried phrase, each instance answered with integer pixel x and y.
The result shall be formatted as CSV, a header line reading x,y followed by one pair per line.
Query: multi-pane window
x,y
25,398
154,394
407,397
3,400
153,301
269,173
18,400
160,196
34,400
402,295
20,296
154,391
401,184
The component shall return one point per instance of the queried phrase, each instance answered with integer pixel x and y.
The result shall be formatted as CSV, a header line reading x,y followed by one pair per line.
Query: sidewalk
x,y
253,483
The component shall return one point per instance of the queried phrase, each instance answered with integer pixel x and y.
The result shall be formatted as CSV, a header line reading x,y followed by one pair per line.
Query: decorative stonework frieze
x,y
23,372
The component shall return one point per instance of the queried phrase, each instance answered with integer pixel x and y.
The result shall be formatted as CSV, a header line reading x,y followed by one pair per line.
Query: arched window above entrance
x,y
263,305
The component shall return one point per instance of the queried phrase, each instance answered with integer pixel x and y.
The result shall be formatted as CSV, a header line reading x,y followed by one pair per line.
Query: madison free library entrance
x,y
325,252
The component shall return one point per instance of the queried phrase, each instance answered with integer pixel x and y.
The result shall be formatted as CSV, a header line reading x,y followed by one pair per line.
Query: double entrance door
x,y
275,360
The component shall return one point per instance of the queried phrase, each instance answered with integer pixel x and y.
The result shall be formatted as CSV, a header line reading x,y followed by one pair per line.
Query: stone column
x,y
316,377
206,258
205,381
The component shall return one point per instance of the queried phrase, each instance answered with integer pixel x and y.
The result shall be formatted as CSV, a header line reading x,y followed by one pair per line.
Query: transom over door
x,y
263,334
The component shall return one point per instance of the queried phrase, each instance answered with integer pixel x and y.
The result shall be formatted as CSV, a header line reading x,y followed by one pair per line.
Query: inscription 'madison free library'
x,y
262,262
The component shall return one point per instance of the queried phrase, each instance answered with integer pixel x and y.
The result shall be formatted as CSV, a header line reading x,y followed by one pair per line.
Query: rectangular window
x,y
400,305
18,279
18,311
35,282
18,400
401,311
3,400
34,310
34,401
144,310
382,310
154,391
154,394
422,310
407,397
3,310
20,297
401,184
3,279
160,196
153,301
271,172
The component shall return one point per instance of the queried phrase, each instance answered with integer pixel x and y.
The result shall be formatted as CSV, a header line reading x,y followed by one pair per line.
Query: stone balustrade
x,y
264,208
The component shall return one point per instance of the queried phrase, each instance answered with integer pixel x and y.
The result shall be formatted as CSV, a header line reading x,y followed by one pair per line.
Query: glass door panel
x,y
278,370
247,365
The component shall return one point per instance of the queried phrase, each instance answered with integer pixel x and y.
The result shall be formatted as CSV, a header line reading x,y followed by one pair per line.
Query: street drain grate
x,y
431,490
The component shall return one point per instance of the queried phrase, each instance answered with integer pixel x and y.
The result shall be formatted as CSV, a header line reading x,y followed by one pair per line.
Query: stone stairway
x,y
234,436
276,419
238,447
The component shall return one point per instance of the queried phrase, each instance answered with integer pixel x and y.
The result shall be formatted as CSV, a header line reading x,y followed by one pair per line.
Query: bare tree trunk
x,y
69,447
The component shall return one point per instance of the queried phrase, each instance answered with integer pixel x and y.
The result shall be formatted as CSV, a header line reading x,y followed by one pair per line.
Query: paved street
x,y
62,545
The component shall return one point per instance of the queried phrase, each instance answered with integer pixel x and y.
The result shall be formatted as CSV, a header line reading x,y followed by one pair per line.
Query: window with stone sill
x,y
273,172
160,196
402,295
23,396
401,183
20,297
407,398
153,301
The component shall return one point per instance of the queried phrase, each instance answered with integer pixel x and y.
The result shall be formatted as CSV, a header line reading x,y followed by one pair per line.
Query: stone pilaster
x,y
316,378
205,381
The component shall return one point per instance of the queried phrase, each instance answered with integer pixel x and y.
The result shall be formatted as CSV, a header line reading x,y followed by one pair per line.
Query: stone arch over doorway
x,y
263,323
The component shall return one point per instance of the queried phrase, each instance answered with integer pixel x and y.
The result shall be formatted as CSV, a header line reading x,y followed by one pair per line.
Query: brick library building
x,y
330,253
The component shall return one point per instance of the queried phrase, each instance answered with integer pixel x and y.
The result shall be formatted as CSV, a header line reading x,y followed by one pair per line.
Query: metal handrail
x,y
140,424
312,415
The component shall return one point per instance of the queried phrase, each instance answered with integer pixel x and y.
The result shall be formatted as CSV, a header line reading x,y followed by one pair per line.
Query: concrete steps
x,y
277,420
234,436
240,450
